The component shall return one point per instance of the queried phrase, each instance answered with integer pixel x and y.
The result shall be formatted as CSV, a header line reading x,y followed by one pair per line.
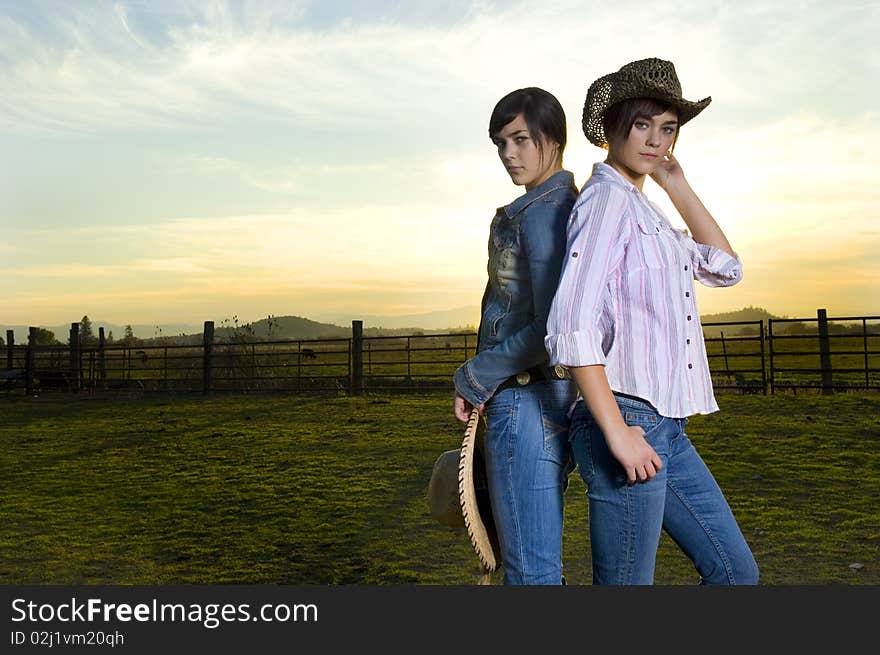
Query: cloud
x,y
199,66
284,151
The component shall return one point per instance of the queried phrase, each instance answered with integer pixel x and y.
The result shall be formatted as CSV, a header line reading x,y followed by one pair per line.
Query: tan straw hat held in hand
x,y
646,78
459,496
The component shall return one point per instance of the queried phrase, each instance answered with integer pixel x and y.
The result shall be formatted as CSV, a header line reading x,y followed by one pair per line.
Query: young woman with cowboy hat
x,y
624,320
524,400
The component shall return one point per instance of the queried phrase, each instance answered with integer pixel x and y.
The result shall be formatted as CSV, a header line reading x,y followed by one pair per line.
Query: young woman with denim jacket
x,y
625,320
524,400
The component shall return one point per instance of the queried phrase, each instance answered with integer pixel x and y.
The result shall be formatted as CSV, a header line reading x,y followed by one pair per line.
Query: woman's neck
x,y
546,176
637,179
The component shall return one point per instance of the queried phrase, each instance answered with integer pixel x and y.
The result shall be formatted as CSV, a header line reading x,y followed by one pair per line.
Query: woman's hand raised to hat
x,y
463,408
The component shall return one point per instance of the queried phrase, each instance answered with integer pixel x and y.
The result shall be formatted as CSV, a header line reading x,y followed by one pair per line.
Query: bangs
x,y
618,119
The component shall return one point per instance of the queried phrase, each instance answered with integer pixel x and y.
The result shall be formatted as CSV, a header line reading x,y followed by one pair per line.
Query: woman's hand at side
x,y
463,408
628,445
626,442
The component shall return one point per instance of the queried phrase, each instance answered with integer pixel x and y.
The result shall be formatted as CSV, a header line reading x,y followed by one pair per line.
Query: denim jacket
x,y
526,248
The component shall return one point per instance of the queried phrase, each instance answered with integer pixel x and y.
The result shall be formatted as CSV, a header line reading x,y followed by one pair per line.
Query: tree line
x,y
87,336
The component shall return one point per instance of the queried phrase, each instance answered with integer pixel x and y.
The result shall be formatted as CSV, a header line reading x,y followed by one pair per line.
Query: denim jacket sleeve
x,y
543,231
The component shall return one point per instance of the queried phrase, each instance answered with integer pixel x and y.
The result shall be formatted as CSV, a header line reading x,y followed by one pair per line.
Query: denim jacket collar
x,y
556,181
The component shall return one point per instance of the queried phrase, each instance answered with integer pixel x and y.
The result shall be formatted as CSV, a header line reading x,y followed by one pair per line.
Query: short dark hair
x,y
618,119
540,109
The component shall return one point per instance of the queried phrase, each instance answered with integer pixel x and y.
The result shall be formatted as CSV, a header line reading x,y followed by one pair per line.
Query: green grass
x,y
272,489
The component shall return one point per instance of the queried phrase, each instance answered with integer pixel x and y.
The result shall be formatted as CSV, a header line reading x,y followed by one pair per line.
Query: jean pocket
x,y
556,444
555,400
644,419
582,435
500,411
653,425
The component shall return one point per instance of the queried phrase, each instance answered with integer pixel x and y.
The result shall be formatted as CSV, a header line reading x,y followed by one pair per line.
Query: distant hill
x,y
461,319
282,327
456,318
745,314
741,315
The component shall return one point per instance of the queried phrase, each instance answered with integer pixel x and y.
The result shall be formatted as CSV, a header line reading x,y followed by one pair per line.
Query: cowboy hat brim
x,y
473,493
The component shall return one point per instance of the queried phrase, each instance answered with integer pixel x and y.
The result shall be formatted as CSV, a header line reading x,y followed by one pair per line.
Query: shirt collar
x,y
613,175
558,180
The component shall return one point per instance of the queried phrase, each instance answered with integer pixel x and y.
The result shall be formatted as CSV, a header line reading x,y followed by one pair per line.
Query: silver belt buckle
x,y
523,378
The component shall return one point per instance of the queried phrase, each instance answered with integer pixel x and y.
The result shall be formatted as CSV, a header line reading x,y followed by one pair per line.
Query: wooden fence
x,y
840,354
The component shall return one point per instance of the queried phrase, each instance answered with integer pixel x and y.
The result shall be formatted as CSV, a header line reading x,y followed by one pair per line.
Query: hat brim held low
x,y
458,495
647,78
474,497
443,496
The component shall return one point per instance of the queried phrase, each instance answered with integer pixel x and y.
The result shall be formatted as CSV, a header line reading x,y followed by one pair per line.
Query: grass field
x,y
271,489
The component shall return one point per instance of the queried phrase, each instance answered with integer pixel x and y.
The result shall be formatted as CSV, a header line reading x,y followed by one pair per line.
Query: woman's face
x,y
527,163
649,140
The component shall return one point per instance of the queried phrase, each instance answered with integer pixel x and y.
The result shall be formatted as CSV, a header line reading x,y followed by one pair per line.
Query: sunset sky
x,y
188,161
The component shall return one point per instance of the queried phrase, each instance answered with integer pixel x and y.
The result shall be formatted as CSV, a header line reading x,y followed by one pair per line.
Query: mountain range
x,y
335,326
283,327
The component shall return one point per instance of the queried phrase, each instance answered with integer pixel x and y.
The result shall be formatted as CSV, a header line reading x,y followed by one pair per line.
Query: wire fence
x,y
819,354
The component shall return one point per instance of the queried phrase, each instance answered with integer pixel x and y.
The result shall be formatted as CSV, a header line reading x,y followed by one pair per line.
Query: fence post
x,y
207,360
357,357
770,345
763,362
102,362
10,348
825,353
724,350
29,360
75,358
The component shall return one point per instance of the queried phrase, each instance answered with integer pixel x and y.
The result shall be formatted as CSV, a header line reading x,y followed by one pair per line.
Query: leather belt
x,y
535,374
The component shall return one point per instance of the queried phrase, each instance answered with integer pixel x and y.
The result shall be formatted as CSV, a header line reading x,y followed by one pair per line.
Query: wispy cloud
x,y
213,62
328,155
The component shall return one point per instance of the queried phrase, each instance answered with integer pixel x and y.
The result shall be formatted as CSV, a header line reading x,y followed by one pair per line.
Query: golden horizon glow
x,y
194,163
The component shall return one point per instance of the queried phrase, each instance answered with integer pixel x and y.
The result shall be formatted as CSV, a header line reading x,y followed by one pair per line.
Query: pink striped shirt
x,y
626,297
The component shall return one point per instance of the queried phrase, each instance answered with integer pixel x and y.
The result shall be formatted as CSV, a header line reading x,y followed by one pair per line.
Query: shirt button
x,y
688,341
687,294
574,254
657,228
689,317
685,267
690,365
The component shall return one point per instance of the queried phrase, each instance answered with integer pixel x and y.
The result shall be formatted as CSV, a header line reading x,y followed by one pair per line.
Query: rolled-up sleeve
x,y
596,238
713,267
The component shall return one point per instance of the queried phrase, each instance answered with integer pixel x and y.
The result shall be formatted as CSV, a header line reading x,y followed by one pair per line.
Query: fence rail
x,y
785,355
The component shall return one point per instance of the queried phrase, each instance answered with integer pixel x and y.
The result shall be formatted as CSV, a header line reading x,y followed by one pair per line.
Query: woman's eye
x,y
521,139
669,130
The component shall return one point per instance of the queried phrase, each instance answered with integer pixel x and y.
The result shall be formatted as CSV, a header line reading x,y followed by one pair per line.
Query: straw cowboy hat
x,y
645,78
459,497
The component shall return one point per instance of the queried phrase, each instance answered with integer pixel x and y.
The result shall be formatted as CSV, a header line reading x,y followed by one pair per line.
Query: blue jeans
x,y
528,460
683,499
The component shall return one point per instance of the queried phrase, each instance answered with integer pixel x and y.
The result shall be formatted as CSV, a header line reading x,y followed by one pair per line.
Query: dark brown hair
x,y
618,119
542,112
